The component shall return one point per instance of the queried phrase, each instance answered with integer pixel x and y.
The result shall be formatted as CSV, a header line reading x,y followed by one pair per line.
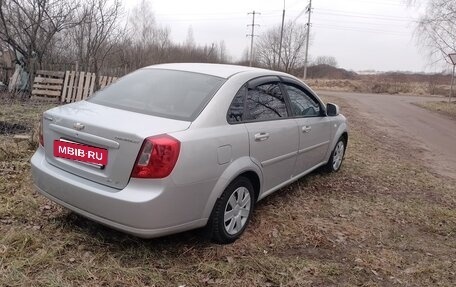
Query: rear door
x,y
313,125
273,135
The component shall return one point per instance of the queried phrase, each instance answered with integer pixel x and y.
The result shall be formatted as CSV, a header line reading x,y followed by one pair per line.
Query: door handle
x,y
261,137
306,129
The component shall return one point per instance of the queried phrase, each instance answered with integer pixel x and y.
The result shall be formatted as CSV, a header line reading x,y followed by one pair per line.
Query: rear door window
x,y
266,102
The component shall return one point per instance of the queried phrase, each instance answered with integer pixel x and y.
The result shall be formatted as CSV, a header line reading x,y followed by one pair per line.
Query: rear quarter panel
x,y
211,158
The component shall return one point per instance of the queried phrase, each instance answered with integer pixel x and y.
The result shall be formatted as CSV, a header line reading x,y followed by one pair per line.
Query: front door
x,y
313,125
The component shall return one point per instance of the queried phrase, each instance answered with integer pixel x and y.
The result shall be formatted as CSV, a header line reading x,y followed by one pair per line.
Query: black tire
x,y
216,228
330,165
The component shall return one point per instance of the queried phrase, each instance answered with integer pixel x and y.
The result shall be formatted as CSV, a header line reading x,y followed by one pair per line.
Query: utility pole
x,y
451,87
453,60
281,36
309,11
252,35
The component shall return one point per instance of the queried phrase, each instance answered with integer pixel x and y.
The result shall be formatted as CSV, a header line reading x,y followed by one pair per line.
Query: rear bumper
x,y
145,208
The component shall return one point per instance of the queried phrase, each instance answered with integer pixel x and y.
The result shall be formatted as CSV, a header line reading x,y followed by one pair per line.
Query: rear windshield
x,y
165,93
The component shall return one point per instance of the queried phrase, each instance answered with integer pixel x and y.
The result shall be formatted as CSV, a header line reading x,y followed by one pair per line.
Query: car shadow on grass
x,y
73,222
197,239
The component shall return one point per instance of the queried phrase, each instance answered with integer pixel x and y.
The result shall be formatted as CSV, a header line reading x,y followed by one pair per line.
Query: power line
x,y
303,11
253,34
201,19
358,22
345,28
382,2
365,16
215,15
362,13
226,16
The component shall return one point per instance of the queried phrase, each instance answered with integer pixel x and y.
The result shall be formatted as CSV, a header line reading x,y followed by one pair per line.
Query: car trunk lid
x,y
118,131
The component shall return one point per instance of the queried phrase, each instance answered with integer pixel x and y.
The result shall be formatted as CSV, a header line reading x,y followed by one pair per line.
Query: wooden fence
x,y
79,86
47,84
69,86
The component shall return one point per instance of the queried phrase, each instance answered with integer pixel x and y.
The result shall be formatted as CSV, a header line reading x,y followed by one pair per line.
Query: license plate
x,y
80,152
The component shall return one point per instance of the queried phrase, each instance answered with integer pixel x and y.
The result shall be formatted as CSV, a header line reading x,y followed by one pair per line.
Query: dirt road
x,y
434,135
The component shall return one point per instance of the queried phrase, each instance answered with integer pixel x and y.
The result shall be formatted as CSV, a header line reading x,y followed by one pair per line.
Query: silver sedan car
x,y
175,147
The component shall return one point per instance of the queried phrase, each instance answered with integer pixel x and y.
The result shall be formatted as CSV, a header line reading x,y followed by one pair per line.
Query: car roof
x,y
218,70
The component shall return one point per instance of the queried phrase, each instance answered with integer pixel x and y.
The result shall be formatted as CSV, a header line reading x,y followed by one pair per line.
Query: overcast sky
x,y
360,34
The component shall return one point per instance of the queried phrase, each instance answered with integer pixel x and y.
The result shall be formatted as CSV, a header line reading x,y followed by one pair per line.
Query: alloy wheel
x,y
237,210
338,155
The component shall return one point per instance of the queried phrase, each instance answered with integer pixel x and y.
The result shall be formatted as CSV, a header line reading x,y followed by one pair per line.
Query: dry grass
x,y
444,107
383,220
379,87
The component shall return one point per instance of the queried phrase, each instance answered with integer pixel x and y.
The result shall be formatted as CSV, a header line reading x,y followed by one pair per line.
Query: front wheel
x,y
232,211
337,156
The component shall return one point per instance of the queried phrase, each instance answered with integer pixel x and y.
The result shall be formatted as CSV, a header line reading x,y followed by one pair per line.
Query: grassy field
x,y
443,107
383,220
379,87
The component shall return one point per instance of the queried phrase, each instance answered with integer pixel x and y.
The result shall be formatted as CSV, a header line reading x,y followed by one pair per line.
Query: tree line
x,y
101,38
96,34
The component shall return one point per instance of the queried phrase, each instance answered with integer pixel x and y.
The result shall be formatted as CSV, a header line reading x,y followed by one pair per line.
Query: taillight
x,y
40,132
157,157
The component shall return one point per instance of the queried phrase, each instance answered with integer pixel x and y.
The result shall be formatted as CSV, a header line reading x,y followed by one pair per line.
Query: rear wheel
x,y
337,156
232,211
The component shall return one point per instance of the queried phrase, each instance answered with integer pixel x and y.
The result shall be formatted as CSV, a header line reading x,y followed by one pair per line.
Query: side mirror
x,y
332,110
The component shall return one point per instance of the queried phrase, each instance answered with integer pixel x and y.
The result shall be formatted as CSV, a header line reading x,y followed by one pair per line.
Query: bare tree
x,y
29,26
436,29
293,44
294,38
93,34
97,34
325,60
267,48
245,57
190,40
150,41
142,21
223,54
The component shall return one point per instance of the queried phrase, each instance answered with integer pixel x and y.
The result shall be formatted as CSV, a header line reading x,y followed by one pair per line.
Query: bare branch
x,y
436,30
